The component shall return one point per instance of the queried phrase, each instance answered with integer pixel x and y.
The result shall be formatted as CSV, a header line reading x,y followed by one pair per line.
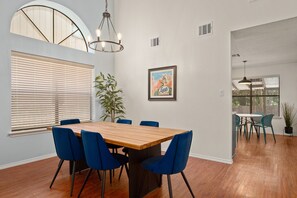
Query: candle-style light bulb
x,y
119,36
98,33
103,45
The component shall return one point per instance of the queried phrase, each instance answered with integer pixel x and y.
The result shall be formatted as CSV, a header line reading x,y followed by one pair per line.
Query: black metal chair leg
x,y
98,173
264,131
59,167
73,176
160,182
127,170
188,185
121,172
169,186
86,179
273,134
110,177
103,184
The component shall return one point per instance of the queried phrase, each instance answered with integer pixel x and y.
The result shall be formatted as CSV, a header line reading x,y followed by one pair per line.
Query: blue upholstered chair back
x,y
67,144
177,154
266,120
124,121
70,121
97,154
149,123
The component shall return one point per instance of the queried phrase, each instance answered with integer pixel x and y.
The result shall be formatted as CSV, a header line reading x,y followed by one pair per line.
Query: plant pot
x,y
289,130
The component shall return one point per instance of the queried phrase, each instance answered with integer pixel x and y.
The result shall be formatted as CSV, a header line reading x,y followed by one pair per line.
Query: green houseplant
x,y
289,114
109,96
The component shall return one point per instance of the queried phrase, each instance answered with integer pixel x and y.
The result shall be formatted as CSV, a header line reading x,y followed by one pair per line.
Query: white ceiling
x,y
264,45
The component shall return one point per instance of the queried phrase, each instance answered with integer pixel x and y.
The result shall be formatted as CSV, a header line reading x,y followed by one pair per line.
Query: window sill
x,y
28,132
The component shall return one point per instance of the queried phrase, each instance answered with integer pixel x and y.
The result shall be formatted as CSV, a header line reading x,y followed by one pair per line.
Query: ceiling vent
x,y
155,42
205,29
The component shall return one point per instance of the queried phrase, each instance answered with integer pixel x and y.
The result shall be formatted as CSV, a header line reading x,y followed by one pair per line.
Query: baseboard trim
x,y
206,157
26,161
210,158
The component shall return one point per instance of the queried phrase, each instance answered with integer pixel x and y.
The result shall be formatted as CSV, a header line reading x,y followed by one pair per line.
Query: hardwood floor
x,y
258,170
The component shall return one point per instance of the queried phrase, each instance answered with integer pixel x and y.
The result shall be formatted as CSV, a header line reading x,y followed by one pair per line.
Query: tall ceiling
x,y
264,45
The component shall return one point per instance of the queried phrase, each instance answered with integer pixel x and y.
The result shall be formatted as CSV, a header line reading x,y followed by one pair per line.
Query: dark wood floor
x,y
258,170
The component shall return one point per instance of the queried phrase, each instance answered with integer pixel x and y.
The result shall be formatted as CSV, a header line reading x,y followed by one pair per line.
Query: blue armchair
x,y
98,157
67,148
174,161
69,121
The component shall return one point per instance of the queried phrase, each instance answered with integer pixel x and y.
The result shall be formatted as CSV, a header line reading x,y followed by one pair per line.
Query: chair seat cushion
x,y
122,159
152,164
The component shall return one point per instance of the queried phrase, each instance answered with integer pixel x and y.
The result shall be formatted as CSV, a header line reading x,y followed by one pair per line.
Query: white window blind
x,y
45,91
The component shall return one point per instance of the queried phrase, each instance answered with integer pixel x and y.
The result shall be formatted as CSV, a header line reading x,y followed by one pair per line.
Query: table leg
x,y
138,186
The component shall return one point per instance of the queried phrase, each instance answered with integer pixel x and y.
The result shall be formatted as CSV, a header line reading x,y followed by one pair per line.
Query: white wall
x,y
15,150
203,63
288,86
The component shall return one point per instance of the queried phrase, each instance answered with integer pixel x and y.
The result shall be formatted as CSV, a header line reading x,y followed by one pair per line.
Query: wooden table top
x,y
248,115
130,136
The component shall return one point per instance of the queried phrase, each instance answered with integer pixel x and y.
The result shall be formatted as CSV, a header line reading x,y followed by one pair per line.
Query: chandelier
x,y
108,40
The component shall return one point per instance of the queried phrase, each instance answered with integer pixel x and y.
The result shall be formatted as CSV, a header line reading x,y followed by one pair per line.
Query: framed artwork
x,y
162,83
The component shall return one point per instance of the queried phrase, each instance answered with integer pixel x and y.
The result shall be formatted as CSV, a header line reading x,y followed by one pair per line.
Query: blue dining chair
x,y
174,161
69,121
239,125
149,123
124,121
67,148
98,157
266,121
257,120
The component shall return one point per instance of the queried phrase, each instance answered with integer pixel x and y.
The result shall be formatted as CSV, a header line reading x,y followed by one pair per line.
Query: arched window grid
x,y
73,33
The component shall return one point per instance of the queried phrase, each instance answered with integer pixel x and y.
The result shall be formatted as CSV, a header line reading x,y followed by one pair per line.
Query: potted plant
x,y
289,114
109,97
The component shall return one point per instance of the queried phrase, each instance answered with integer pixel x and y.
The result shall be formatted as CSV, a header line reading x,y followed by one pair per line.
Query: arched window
x,y
48,24
45,90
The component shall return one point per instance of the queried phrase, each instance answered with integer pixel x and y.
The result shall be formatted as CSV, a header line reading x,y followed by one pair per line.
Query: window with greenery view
x,y
262,96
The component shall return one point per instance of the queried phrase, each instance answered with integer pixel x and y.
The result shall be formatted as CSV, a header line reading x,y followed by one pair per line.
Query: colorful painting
x,y
162,83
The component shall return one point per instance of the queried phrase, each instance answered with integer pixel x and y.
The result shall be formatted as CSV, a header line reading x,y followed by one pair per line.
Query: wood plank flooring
x,y
258,170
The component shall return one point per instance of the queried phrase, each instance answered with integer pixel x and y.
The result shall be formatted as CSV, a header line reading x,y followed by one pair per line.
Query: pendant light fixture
x,y
244,81
108,40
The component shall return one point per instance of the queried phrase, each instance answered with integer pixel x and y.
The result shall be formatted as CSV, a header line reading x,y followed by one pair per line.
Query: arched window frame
x,y
77,22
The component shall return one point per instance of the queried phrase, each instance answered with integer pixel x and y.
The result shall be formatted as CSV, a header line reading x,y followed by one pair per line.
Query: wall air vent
x,y
205,29
155,42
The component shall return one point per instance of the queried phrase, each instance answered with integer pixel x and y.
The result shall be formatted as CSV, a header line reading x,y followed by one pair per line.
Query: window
x,y
46,90
48,24
263,96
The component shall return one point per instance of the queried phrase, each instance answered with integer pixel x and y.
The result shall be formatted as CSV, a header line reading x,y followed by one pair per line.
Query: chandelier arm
x,y
101,23
109,36
113,27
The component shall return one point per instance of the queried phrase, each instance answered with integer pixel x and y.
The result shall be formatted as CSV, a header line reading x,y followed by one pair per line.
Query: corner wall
x,y
203,63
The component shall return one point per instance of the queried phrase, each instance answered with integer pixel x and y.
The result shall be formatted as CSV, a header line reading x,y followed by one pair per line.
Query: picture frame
x,y
162,83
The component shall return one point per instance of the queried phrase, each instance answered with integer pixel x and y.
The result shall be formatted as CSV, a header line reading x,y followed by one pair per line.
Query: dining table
x,y
143,142
248,118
